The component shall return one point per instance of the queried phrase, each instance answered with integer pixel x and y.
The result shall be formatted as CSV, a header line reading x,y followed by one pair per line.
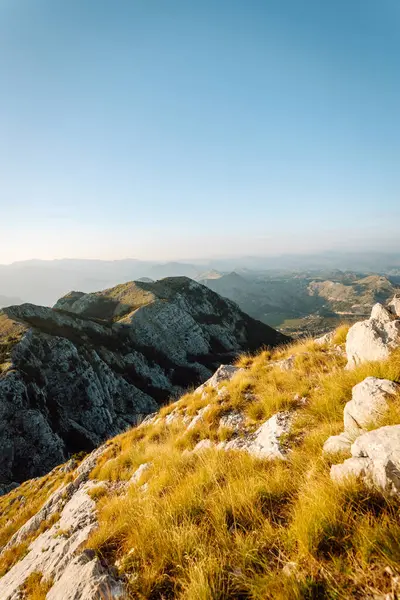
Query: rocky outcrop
x,y
223,373
57,553
375,460
327,338
394,305
98,363
374,338
369,403
268,441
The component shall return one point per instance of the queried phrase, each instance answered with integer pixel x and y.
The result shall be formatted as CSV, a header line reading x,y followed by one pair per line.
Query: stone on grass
x,y
223,373
268,441
139,472
375,460
373,339
369,403
203,445
325,339
337,443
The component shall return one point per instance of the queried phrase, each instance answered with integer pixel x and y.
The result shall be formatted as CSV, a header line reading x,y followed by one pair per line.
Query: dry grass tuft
x,y
35,587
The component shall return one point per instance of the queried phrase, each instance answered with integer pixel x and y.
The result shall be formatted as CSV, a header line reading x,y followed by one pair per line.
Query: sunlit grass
x,y
216,525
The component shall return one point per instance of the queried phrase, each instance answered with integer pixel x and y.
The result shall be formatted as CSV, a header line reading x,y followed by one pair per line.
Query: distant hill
x,y
304,302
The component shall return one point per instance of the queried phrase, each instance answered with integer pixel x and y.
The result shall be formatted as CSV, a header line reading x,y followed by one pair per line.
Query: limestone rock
x,y
374,338
139,472
375,459
286,364
86,579
368,403
234,420
267,441
325,339
57,500
198,418
394,306
337,443
223,373
56,556
203,445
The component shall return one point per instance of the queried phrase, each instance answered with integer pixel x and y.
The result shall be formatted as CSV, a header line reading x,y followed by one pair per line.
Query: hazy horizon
x,y
204,260
167,130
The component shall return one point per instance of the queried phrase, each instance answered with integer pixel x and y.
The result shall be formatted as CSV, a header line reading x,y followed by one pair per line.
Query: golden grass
x,y
217,525
220,525
25,501
35,587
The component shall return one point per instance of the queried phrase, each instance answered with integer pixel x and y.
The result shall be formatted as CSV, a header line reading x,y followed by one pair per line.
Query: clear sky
x,y
198,128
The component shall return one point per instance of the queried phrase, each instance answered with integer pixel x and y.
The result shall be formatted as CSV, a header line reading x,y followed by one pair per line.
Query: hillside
x,y
277,479
98,363
301,303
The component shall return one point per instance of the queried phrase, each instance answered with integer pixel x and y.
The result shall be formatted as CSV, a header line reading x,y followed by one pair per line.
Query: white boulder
x,y
368,403
203,445
374,338
325,339
337,443
223,373
267,441
375,460
394,306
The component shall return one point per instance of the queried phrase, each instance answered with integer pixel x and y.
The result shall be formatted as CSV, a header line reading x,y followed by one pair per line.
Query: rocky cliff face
x,y
97,363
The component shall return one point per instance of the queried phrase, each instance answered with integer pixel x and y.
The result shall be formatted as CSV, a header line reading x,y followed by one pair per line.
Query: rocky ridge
x,y
97,363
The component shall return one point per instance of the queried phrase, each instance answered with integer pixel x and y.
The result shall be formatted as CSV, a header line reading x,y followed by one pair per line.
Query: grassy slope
x,y
218,525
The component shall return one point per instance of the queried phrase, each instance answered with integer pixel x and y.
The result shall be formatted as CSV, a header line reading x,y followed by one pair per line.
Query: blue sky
x,y
182,129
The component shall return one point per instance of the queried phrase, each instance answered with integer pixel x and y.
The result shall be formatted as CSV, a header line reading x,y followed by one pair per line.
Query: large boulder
x,y
368,404
374,338
375,460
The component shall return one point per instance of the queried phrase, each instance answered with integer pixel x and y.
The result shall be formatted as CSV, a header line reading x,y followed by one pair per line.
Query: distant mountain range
x,y
280,291
43,282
